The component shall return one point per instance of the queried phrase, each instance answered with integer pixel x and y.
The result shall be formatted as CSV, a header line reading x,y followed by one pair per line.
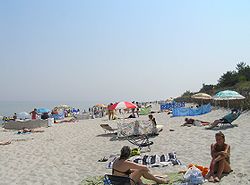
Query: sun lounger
x,y
108,128
140,140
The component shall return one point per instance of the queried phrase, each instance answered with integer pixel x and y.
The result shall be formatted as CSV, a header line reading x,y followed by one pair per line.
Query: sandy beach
x,y
67,153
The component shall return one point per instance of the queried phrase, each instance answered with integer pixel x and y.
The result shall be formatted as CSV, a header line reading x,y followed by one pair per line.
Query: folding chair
x,y
140,141
108,128
117,180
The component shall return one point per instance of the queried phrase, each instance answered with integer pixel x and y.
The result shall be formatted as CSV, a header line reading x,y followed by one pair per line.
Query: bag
x,y
135,151
194,176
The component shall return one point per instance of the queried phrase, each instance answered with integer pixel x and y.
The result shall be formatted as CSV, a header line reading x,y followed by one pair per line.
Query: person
x,y
14,117
5,142
123,167
132,115
45,116
33,114
189,122
220,152
152,119
137,109
110,112
25,130
229,118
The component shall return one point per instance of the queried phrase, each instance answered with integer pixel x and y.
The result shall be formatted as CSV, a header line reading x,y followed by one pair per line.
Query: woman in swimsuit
x,y
123,167
220,152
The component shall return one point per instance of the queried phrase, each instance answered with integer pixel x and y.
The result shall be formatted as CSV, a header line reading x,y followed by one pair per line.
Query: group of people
x,y
220,163
220,154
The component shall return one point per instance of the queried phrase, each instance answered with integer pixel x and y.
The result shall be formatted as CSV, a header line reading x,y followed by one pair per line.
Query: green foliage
x,y
187,94
231,78
207,89
238,80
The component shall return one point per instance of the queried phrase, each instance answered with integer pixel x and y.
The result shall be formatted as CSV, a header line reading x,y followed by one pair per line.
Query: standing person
x,y
14,117
220,152
123,167
110,111
33,114
152,119
137,109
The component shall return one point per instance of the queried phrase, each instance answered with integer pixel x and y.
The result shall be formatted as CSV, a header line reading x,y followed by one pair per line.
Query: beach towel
x,y
169,159
151,161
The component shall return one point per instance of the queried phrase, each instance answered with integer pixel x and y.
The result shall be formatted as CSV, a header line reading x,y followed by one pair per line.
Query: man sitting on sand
x,y
229,118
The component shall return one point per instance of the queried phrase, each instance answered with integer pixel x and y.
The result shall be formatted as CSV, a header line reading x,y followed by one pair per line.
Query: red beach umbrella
x,y
123,105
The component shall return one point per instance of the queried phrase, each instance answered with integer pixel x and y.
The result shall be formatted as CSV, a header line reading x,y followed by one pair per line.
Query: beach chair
x,y
118,180
141,140
108,128
225,123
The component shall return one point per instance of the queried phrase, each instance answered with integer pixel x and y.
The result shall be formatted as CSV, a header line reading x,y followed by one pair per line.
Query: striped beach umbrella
x,y
123,105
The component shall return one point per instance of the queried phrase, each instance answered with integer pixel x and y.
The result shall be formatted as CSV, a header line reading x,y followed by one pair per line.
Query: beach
x,y
67,153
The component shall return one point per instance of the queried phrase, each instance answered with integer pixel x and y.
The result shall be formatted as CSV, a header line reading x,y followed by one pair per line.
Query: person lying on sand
x,y
220,152
5,142
229,118
123,167
189,122
26,130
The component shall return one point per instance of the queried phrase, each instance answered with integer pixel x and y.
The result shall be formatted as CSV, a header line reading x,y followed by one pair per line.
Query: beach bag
x,y
193,176
135,151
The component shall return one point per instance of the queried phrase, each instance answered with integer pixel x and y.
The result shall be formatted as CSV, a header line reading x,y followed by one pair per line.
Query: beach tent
x,y
23,115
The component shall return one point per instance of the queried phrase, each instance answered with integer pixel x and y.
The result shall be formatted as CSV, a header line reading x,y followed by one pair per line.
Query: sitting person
x,y
26,130
123,167
5,142
220,152
229,118
152,119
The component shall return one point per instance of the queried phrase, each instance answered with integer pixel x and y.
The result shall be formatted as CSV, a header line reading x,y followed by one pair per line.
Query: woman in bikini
x,y
123,167
220,152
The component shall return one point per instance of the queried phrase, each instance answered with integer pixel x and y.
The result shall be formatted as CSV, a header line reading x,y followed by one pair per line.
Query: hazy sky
x,y
118,50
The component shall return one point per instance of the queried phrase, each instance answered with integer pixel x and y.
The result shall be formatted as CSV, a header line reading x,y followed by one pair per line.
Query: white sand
x,y
68,152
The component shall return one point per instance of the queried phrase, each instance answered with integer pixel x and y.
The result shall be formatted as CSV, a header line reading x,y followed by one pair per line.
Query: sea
x,y
8,108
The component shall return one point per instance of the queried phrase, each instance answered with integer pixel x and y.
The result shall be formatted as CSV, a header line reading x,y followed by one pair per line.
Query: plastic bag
x,y
194,176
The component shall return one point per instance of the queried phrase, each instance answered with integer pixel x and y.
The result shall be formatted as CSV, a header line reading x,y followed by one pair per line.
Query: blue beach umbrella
x,y
228,95
42,110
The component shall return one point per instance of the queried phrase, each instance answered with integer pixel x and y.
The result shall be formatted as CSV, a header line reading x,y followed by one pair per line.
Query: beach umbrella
x,y
42,110
23,115
123,105
202,96
228,95
100,105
